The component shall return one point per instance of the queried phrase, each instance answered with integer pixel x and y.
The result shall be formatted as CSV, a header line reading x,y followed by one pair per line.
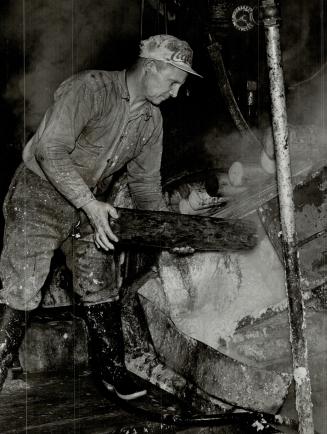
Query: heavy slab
x,y
212,371
265,342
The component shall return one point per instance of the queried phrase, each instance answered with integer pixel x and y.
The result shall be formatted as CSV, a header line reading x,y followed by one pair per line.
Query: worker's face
x,y
162,83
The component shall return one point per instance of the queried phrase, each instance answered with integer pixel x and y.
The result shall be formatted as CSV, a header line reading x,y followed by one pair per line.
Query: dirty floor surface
x,y
71,403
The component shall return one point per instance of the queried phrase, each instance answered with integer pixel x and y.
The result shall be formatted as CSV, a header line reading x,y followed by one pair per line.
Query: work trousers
x,y
39,220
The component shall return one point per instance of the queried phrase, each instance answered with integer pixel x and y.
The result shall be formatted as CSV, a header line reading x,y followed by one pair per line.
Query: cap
x,y
168,49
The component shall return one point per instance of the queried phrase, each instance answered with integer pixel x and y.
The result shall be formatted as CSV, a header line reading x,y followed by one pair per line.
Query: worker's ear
x,y
150,65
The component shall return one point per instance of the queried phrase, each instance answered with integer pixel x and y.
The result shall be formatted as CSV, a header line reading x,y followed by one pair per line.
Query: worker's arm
x,y
62,125
144,177
145,181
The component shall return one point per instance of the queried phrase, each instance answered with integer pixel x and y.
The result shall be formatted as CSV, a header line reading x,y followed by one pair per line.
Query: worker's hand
x,y
98,214
227,190
268,143
183,251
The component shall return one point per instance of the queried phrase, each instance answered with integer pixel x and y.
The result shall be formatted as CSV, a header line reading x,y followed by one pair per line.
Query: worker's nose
x,y
174,91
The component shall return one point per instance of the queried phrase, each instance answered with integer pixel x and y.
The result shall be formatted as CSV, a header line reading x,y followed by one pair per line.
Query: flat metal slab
x,y
212,371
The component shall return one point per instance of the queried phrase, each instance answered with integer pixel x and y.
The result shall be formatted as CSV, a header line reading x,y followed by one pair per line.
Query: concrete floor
x,y
71,403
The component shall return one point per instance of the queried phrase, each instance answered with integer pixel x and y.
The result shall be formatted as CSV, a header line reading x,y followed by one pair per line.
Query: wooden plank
x,y
166,230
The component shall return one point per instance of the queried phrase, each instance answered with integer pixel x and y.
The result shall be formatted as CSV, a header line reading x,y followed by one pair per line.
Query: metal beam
x,y
287,215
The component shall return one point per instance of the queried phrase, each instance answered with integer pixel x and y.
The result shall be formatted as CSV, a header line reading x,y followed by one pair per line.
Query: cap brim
x,y
185,68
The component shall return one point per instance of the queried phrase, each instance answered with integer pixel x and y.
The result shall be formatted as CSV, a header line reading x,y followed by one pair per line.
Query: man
x,y
99,122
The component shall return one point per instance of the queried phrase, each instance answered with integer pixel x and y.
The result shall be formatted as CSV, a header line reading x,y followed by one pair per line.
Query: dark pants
x,y
38,220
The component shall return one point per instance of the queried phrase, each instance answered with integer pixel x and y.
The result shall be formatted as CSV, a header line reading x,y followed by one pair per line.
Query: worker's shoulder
x,y
94,80
97,80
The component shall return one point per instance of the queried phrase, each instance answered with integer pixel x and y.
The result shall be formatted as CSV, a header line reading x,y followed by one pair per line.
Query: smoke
x,y
304,55
59,38
55,39
225,149
304,43
307,100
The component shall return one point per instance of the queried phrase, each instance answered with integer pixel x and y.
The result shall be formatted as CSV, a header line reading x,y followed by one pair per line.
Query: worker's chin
x,y
157,100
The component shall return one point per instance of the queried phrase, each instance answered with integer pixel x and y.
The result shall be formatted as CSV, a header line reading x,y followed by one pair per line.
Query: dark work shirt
x,y
88,134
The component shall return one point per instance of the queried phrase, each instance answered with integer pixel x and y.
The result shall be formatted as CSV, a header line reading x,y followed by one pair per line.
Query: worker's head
x,y
166,62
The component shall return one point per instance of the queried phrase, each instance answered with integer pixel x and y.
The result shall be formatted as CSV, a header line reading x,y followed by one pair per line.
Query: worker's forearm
x,y
60,171
148,195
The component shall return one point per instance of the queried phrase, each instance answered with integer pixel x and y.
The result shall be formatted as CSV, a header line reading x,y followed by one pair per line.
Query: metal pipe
x,y
287,215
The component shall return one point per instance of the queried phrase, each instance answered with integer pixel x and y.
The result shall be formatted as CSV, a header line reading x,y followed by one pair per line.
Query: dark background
x,y
43,42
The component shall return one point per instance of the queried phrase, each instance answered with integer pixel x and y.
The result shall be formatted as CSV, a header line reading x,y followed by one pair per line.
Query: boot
x,y
12,331
105,329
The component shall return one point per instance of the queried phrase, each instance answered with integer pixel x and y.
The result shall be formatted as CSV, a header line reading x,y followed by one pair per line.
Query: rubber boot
x,y
105,329
12,331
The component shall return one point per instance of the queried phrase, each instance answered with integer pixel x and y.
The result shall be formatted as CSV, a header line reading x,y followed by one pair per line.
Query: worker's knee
x,y
23,276
20,298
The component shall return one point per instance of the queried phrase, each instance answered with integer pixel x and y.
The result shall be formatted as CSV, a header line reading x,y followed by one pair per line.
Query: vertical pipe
x,y
287,215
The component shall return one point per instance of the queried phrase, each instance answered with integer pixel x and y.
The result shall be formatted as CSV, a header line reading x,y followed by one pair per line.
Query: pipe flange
x,y
242,18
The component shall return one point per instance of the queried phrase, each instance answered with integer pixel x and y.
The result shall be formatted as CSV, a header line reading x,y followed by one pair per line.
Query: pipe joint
x,y
269,13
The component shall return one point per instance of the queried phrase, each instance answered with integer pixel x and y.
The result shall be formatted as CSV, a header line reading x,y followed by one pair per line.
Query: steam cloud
x,y
304,55
61,38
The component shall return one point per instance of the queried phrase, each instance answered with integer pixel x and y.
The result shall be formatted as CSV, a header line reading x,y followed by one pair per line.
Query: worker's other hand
x,y
227,190
183,251
268,143
98,213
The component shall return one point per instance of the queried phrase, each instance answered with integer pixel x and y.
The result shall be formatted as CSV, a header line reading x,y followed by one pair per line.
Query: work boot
x,y
12,331
105,328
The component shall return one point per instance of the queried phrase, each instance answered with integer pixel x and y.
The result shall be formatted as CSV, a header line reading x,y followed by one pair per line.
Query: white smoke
x,y
59,38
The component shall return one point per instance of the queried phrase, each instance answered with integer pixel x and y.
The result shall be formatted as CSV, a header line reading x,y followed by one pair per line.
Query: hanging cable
x,y
158,17
141,19
166,17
